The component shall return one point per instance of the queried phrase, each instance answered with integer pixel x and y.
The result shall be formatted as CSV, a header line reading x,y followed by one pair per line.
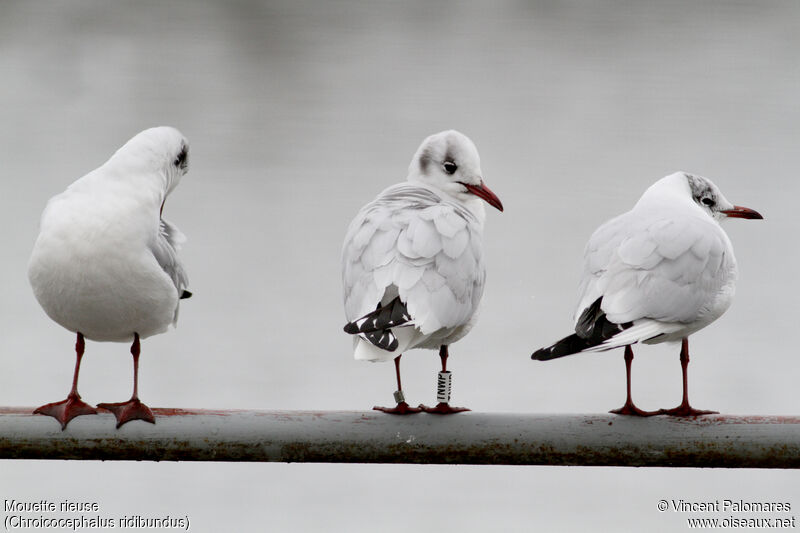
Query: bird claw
x,y
402,408
133,409
66,410
629,409
686,410
443,408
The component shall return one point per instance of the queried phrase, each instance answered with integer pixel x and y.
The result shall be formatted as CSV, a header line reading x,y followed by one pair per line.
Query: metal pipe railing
x,y
372,437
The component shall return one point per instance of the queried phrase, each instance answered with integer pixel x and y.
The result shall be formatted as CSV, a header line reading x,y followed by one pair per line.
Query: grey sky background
x,y
298,113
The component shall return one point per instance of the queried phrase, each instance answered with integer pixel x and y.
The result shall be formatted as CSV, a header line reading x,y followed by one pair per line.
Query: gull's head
x,y
683,188
449,161
162,150
710,199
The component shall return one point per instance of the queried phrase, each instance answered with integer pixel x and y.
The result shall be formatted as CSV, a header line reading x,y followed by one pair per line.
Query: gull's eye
x,y
450,167
709,202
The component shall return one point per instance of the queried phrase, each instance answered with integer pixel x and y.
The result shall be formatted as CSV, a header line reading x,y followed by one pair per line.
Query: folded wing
x,y
411,245
665,268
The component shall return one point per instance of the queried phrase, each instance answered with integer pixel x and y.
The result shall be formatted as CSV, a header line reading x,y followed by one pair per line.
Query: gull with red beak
x,y
658,273
412,261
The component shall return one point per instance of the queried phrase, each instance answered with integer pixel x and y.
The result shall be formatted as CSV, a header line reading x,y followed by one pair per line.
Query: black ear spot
x,y
180,161
424,161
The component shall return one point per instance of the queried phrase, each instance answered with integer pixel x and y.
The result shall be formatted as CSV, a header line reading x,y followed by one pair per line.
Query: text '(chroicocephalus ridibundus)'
x,y
657,273
412,262
105,264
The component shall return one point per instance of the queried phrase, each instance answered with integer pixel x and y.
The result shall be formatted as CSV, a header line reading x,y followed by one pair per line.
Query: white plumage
x,y
105,263
414,243
421,241
666,265
657,273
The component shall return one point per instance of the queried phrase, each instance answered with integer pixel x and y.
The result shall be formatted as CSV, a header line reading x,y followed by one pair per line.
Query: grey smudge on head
x,y
448,156
701,187
424,161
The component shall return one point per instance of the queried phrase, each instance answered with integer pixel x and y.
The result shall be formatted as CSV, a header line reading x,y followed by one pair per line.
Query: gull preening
x,y
658,273
412,261
105,265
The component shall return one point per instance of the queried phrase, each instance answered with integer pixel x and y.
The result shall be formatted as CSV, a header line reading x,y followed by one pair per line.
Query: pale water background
x,y
298,113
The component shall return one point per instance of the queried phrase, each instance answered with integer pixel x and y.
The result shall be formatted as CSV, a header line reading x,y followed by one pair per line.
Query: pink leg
x,y
629,408
72,406
443,408
133,409
684,409
402,407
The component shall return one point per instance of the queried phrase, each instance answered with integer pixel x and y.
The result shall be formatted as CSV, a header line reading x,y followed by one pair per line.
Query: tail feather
x,y
645,330
364,350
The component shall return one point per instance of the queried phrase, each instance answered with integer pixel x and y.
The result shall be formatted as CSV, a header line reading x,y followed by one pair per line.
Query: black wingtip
x,y
546,354
566,346
185,295
393,344
376,327
385,340
591,329
382,318
542,354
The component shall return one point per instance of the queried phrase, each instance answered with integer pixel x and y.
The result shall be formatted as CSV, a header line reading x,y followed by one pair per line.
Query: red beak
x,y
484,192
742,212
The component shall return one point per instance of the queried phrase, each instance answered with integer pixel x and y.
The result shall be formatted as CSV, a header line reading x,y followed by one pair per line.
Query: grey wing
x,y
660,267
410,243
367,244
165,248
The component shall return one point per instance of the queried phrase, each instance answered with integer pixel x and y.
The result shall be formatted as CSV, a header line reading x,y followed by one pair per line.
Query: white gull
x,y
412,261
658,273
105,264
